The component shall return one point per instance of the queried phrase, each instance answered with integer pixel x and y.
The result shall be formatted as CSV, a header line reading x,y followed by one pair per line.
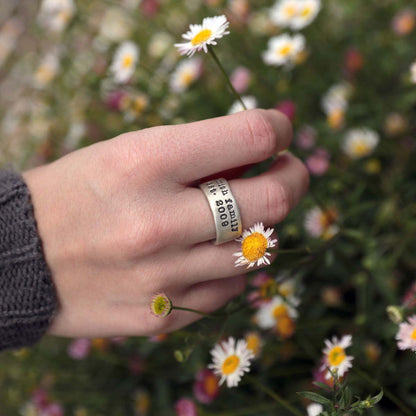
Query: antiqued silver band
x,y
224,209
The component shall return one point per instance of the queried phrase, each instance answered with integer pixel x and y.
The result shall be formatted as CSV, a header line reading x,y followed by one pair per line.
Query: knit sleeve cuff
x,y
28,298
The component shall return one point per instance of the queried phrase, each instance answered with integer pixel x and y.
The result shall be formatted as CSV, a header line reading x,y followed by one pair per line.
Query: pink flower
x,y
306,138
240,79
288,108
114,99
40,398
406,336
318,162
409,298
185,407
52,409
206,387
79,348
150,7
404,22
354,62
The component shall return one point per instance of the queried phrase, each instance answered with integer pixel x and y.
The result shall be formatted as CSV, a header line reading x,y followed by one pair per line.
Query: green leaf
x,y
375,399
322,385
315,397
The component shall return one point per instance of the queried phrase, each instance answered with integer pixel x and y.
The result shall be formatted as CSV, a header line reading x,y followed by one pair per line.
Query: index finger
x,y
199,149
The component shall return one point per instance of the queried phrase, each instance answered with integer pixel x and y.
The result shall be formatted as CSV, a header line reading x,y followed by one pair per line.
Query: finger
x,y
267,198
189,152
207,261
205,297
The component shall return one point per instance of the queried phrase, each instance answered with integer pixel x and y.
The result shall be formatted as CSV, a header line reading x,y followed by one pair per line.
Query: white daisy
x,y
47,70
283,49
56,14
413,72
186,73
335,357
306,13
199,37
124,61
269,313
283,12
359,143
254,245
231,360
406,336
336,98
321,224
314,409
249,101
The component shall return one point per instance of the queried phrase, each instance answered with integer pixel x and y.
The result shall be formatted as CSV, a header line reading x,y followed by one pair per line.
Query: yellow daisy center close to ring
x,y
201,37
413,336
230,364
336,356
254,246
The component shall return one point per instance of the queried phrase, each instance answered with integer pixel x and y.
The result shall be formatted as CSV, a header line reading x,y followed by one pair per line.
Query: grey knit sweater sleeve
x,y
27,294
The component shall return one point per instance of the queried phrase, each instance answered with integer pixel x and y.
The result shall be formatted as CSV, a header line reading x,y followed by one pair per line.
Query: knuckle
x,y
279,200
261,137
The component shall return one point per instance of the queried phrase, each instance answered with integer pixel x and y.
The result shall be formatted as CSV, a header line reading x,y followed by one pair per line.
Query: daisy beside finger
x,y
254,245
199,37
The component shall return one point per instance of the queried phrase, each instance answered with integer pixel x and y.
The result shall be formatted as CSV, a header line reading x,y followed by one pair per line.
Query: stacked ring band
x,y
224,208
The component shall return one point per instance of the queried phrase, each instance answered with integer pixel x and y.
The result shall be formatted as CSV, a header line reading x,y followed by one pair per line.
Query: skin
x,y
123,219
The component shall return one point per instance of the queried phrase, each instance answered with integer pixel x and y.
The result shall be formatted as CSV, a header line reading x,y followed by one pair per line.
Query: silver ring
x,y
224,209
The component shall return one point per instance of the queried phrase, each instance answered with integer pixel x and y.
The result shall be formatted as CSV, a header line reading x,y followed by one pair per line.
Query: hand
x,y
122,220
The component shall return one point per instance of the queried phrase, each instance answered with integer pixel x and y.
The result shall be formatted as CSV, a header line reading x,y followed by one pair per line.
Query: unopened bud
x,y
395,313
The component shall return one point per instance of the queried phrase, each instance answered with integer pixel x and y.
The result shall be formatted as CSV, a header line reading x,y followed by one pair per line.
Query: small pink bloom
x,y
150,7
318,162
354,62
40,398
406,336
185,407
404,22
79,348
409,298
52,409
114,99
288,108
206,388
306,138
240,79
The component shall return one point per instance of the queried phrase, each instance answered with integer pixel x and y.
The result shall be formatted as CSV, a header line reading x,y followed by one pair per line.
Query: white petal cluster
x,y
294,14
283,49
360,142
125,61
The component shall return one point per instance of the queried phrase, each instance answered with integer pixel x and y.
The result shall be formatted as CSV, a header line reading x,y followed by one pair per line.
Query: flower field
x,y
329,328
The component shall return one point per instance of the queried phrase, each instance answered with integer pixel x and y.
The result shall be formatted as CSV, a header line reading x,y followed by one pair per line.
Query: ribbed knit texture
x,y
27,295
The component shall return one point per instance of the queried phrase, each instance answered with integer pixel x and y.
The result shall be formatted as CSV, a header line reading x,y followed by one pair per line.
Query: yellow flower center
x,y
285,50
413,336
211,384
201,37
44,74
140,103
285,326
290,11
230,364
254,246
360,148
406,24
161,305
279,311
127,61
253,343
336,356
336,118
187,78
306,11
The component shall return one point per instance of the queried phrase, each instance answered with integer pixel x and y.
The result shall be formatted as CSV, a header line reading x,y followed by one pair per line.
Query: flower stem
x,y
217,61
274,396
206,315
